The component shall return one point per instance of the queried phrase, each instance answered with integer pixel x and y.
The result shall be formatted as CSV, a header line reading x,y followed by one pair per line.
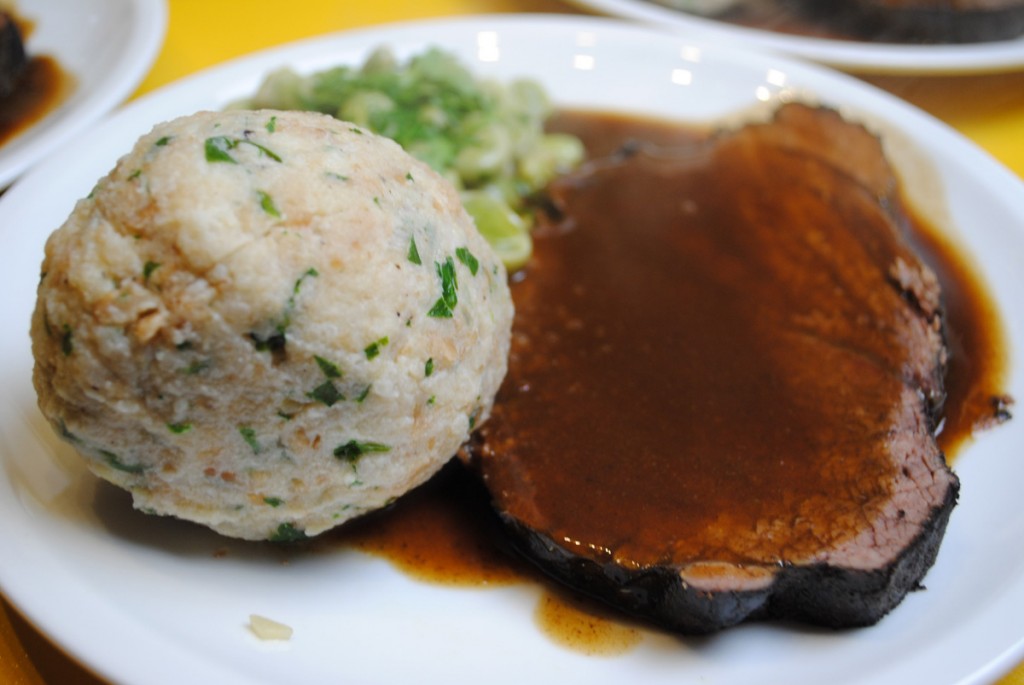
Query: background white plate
x,y
107,46
857,56
143,599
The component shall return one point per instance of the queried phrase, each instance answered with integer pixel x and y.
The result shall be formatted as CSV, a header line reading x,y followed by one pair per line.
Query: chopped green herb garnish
x,y
449,283
352,450
289,307
272,124
263,150
218,147
148,269
467,258
287,532
195,367
444,307
285,415
115,462
431,400
135,174
249,435
179,427
67,434
273,501
163,141
267,204
408,176
428,367
440,310
336,176
67,345
326,393
373,349
364,394
414,253
310,273
329,368
273,343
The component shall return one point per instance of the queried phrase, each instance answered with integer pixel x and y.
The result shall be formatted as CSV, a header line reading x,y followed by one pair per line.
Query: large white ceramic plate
x,y
147,600
864,57
106,45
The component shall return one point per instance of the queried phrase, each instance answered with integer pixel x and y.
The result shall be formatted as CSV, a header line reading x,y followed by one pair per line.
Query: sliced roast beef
x,y
726,366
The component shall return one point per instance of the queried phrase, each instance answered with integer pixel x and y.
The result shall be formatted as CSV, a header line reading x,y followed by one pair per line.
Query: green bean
x,y
488,156
550,156
503,228
281,89
365,106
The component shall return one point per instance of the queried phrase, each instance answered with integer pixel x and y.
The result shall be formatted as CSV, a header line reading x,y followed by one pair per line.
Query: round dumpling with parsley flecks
x,y
268,323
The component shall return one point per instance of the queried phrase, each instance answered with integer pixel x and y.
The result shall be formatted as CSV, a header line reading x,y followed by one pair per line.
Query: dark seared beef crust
x,y
879,395
818,594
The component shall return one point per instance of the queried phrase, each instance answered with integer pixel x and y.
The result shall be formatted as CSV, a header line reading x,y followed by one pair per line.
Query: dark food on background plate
x,y
923,21
12,55
882,21
31,85
726,371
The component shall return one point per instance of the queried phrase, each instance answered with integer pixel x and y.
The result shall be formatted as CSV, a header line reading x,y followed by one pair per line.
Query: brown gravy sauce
x,y
42,88
581,626
977,343
977,373
445,532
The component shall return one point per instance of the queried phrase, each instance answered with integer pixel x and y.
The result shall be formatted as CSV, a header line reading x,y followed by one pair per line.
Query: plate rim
x,y
894,59
36,177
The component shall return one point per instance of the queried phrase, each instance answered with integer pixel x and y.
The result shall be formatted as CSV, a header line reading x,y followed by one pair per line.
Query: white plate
x,y
857,56
142,599
106,45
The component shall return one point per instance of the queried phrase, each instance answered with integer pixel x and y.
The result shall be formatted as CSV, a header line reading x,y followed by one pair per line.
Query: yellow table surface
x,y
989,109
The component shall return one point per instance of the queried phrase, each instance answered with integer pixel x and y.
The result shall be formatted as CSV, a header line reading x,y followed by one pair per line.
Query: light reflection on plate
x,y
159,601
106,45
859,56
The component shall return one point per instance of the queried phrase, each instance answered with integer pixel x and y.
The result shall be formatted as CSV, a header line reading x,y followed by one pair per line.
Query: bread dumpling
x,y
268,323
